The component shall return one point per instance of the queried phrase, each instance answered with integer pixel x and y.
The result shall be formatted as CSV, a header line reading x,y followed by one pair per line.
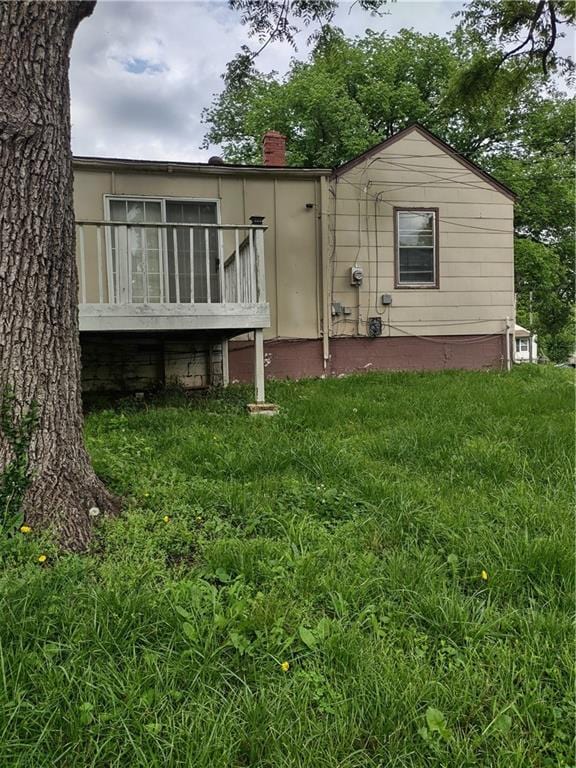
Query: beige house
x,y
195,273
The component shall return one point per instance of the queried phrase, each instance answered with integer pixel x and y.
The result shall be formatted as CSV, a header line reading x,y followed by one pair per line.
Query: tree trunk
x,y
39,338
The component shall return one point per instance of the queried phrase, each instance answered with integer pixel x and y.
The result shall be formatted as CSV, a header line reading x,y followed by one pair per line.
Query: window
x,y
164,264
416,247
522,345
140,246
203,241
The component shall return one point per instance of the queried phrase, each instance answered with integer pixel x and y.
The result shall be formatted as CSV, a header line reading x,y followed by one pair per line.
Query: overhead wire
x,y
363,189
440,218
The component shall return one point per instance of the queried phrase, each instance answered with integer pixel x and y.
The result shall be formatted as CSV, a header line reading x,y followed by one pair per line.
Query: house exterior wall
x,y
319,226
303,358
290,242
475,244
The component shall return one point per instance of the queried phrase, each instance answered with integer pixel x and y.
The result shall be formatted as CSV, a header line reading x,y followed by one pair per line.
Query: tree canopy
x,y
521,31
350,94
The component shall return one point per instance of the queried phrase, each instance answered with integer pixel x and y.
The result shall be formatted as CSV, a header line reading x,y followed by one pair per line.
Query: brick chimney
x,y
274,148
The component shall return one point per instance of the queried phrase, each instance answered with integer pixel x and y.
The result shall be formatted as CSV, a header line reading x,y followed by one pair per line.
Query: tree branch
x,y
530,37
553,34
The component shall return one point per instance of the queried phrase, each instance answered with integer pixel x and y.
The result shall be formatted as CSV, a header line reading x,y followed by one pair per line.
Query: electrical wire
x,y
442,219
454,181
364,190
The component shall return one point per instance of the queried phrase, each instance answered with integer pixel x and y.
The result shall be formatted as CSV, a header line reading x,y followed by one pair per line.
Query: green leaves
x,y
308,637
503,723
436,727
311,638
523,34
436,722
349,95
189,631
86,712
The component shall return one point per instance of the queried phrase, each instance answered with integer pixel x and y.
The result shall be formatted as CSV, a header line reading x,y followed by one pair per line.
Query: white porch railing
x,y
124,263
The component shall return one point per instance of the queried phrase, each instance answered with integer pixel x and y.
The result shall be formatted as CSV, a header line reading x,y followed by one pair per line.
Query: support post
x,y
259,295
225,364
260,407
259,365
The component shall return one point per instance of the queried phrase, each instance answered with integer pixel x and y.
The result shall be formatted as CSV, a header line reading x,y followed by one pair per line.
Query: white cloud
x,y
141,72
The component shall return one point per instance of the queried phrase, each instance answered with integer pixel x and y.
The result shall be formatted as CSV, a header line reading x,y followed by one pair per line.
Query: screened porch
x,y
152,266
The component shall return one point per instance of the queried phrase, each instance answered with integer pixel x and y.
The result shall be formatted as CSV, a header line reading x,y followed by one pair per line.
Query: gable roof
x,y
416,127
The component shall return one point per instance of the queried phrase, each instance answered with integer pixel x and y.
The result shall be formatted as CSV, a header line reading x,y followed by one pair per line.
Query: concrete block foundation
x,y
132,363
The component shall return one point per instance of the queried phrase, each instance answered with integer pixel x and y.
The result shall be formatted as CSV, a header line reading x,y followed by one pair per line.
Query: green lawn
x,y
346,536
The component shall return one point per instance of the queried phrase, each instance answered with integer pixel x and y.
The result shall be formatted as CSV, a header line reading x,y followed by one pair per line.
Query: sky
x,y
141,72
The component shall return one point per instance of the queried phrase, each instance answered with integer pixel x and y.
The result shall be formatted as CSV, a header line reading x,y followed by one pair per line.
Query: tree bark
x,y
39,337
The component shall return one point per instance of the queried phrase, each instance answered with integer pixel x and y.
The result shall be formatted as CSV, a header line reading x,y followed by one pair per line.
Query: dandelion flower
x,y
199,519
146,494
484,575
166,519
285,666
42,558
25,529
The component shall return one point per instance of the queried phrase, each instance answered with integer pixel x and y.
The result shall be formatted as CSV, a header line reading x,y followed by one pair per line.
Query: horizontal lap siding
x,y
476,244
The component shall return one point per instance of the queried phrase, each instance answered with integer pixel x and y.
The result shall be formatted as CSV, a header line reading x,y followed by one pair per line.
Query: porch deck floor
x,y
173,317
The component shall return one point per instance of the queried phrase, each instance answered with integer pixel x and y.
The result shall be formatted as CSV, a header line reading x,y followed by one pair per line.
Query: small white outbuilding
x,y
526,345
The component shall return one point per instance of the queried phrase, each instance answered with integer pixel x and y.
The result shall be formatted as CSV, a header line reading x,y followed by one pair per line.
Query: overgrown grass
x,y
347,536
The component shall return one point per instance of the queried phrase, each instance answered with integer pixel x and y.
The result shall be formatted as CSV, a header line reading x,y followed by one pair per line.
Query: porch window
x,y
164,263
522,345
416,234
140,247
181,241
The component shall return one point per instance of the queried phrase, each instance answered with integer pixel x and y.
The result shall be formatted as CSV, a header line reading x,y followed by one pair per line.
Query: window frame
x,y
519,344
435,285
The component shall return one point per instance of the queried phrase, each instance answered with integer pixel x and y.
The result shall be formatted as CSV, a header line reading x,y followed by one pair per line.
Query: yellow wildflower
x,y
484,575
42,558
166,519
199,519
146,494
25,529
285,666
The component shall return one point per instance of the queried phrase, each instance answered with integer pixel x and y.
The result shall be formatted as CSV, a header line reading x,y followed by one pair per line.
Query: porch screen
x,y
164,263
136,252
179,244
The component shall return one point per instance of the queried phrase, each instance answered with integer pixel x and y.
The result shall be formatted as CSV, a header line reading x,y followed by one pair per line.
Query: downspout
x,y
325,266
508,356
